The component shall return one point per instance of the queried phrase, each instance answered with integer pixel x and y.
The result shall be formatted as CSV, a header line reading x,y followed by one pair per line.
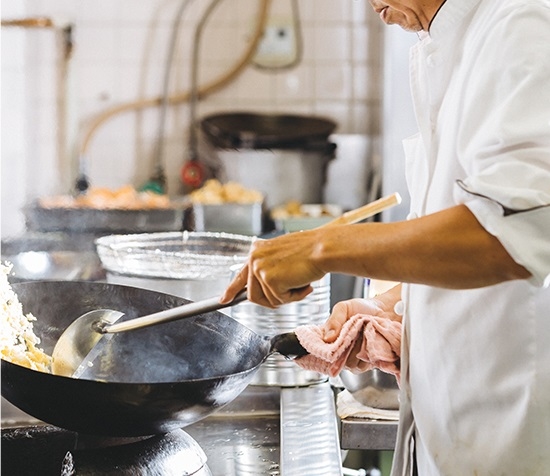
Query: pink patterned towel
x,y
381,346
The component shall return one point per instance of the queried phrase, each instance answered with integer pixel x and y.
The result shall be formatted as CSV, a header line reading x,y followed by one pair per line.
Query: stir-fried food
x,y
18,342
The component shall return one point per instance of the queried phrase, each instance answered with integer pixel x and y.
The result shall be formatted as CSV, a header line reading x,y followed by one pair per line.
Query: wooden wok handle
x,y
366,211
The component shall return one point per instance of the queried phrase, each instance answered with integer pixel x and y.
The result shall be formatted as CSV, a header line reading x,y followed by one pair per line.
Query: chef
x,y
474,255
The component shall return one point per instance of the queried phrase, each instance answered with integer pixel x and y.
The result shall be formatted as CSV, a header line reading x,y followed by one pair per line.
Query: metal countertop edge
x,y
310,444
365,434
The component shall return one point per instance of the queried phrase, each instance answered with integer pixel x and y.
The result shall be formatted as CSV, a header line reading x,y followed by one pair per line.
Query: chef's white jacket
x,y
476,363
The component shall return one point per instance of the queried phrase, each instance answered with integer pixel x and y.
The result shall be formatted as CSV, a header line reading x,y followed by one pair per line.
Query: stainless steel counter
x,y
273,431
244,437
286,432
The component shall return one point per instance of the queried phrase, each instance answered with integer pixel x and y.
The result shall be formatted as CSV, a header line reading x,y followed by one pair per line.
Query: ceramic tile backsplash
x,y
119,57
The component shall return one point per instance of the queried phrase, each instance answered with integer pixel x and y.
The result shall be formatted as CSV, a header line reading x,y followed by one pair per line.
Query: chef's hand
x,y
278,271
381,306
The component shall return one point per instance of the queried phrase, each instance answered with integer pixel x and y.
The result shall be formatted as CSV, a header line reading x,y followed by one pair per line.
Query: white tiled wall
x,y
119,56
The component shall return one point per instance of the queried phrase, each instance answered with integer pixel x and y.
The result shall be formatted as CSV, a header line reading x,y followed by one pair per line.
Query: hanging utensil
x,y
192,172
157,181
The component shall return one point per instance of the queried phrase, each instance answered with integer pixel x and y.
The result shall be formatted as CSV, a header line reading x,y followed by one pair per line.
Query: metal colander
x,y
174,255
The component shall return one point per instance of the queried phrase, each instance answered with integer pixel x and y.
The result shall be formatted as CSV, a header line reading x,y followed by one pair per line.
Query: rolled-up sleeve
x,y
511,200
525,235
505,139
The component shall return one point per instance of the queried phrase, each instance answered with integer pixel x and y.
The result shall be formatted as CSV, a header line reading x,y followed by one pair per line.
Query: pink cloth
x,y
381,346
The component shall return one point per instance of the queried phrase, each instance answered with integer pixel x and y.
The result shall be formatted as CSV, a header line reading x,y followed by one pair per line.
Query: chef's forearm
x,y
447,249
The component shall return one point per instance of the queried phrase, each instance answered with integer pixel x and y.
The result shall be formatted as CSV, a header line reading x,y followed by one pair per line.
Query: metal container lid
x,y
267,131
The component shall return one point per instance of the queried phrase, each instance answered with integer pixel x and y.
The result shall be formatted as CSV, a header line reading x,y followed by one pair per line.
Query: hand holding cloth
x,y
380,345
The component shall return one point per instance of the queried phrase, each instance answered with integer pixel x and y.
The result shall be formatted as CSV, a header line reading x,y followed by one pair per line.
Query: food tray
x,y
309,216
174,255
108,220
239,218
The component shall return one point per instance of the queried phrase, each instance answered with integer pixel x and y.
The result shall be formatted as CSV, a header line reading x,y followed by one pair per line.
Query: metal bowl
x,y
373,388
37,256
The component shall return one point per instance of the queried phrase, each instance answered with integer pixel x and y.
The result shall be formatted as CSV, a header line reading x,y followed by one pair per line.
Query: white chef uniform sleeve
x,y
525,235
506,139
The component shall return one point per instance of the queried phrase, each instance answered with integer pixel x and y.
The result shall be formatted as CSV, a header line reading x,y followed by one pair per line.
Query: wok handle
x,y
288,345
187,310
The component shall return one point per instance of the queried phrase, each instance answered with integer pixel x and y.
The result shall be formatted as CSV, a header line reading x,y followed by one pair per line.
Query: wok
x,y
154,380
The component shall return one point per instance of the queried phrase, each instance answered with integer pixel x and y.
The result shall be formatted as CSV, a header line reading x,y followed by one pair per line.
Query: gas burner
x,y
54,451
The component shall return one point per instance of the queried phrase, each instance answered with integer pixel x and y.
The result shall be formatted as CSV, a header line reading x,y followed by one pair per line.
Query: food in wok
x,y
18,342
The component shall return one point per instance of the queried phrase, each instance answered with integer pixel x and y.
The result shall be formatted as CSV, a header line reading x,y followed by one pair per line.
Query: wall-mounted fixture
x,y
281,43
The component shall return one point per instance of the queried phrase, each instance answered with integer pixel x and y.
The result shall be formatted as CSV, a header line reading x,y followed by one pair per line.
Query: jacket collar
x,y
450,16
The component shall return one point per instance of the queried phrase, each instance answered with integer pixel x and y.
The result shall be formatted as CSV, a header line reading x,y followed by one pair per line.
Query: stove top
x,y
269,431
240,439
48,450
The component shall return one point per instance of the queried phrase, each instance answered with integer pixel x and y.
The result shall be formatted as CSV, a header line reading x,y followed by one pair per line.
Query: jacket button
x,y
399,308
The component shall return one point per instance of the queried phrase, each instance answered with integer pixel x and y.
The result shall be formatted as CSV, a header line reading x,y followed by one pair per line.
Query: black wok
x,y
156,379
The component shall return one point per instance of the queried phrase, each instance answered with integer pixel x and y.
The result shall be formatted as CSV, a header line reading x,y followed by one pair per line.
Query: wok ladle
x,y
77,346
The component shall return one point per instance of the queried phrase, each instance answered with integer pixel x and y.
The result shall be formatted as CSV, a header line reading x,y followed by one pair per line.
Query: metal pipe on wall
x,y
64,112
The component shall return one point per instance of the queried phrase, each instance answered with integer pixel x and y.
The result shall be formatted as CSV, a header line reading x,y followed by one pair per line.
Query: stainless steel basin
x,y
373,388
53,256
56,265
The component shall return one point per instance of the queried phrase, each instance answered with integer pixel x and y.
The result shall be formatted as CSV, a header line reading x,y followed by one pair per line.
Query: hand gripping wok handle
x,y
187,310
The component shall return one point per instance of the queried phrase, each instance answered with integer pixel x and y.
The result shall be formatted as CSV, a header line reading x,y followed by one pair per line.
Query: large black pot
x,y
262,151
250,130
157,379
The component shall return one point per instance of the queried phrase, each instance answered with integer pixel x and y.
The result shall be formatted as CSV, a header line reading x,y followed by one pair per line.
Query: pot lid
x,y
265,131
